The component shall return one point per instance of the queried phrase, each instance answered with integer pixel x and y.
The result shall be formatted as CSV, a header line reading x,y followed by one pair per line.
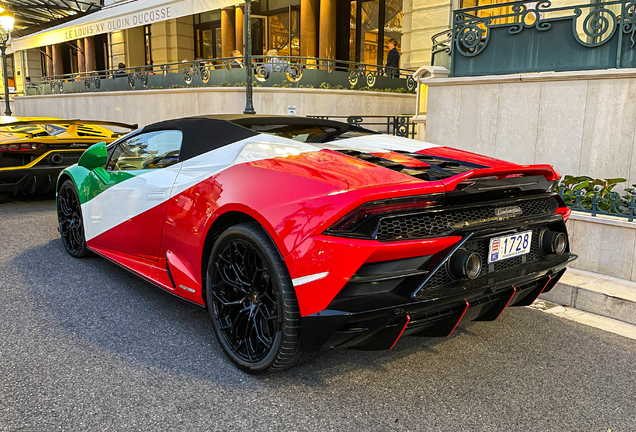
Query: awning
x,y
118,17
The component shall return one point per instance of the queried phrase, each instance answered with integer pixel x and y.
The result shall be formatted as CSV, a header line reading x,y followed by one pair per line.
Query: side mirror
x,y
95,156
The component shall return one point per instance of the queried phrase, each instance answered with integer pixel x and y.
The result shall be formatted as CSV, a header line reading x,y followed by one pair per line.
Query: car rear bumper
x,y
29,181
377,322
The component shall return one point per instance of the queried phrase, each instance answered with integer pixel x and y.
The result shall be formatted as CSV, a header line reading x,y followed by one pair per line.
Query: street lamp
x,y
249,107
7,19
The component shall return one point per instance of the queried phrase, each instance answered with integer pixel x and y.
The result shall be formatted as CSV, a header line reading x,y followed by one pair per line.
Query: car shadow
x,y
29,204
96,302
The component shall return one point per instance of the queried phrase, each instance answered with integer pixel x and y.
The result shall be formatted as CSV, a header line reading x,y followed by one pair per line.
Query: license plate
x,y
510,246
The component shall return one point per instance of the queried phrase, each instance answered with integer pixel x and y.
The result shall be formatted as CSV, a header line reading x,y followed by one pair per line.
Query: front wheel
x,y
70,222
252,301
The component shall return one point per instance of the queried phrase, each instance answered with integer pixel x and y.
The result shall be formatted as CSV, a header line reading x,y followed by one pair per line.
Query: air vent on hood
x,y
435,168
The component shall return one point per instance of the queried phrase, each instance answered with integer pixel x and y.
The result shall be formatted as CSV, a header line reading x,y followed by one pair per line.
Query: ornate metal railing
x,y
596,202
298,72
534,36
399,125
441,49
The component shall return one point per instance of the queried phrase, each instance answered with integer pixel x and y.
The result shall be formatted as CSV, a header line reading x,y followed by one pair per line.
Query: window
x,y
372,23
146,151
207,35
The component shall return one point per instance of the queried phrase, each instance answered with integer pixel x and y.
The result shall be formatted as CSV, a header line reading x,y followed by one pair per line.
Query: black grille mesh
x,y
442,222
480,246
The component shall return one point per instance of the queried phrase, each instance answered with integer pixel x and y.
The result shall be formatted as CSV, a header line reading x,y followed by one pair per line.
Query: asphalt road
x,y
86,346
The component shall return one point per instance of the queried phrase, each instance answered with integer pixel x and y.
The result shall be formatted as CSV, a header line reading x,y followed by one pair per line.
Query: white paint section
x,y
380,143
127,199
311,278
141,193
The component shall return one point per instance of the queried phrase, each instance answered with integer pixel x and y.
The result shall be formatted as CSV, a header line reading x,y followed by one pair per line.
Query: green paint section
x,y
89,175
90,183
95,156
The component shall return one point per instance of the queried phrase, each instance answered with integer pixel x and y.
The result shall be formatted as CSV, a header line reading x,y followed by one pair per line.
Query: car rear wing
x,y
12,121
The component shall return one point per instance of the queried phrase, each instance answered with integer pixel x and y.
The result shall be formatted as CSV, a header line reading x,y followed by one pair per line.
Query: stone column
x,y
81,58
422,77
327,29
308,9
58,66
89,53
49,60
240,29
227,32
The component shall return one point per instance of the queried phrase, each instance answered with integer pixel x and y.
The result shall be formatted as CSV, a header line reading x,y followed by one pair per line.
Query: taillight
x,y
565,212
363,220
563,209
23,147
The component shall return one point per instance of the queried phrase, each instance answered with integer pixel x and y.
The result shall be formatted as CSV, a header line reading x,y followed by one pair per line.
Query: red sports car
x,y
301,234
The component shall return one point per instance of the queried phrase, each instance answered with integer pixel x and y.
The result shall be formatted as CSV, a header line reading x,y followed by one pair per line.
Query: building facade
x,y
144,33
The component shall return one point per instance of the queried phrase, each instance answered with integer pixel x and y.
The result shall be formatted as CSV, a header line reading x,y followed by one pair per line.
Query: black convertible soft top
x,y
204,133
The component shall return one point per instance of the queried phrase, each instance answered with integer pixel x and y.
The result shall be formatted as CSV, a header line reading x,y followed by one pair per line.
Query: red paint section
x,y
139,236
307,209
565,212
514,291
459,320
408,320
342,257
186,284
340,171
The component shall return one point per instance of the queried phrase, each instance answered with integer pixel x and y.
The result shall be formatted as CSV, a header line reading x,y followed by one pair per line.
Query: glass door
x,y
208,41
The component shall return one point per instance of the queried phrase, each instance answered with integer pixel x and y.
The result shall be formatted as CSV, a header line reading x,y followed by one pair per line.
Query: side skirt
x,y
165,286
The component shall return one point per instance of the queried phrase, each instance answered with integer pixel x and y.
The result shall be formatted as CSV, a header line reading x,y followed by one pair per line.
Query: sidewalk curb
x,y
595,293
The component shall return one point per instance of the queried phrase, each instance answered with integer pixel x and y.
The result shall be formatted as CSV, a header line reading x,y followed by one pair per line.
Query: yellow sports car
x,y
33,150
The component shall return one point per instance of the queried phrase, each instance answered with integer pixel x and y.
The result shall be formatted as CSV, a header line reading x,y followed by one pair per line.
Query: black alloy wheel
x,y
70,223
252,301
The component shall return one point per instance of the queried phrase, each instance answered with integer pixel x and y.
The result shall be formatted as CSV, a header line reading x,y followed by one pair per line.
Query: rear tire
x,y
70,222
252,301
4,197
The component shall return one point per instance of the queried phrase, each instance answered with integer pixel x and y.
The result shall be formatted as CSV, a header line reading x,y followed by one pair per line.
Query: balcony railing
x,y
399,125
537,36
295,72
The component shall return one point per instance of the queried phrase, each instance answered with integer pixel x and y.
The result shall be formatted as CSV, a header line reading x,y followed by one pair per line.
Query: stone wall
x,y
604,245
148,106
583,123
422,19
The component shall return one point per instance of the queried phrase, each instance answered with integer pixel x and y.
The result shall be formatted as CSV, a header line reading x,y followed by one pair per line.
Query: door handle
x,y
155,196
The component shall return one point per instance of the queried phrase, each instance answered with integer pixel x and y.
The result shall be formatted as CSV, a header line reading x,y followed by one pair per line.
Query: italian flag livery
x,y
300,234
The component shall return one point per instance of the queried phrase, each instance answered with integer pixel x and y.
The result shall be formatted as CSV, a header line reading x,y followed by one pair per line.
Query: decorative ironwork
x,y
522,45
196,68
400,125
56,85
94,79
410,83
138,74
267,71
597,198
